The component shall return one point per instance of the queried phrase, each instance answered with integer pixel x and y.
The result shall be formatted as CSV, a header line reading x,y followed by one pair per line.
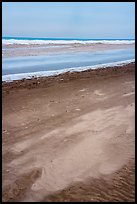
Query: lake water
x,y
50,62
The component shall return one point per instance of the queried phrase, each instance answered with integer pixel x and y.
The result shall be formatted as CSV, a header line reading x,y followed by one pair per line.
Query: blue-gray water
x,y
61,61
68,39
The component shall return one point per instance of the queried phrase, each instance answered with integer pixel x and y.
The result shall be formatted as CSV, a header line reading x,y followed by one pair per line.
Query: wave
x,y
58,42
13,77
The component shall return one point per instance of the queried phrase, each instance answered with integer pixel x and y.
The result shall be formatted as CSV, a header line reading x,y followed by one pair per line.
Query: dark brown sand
x,y
70,137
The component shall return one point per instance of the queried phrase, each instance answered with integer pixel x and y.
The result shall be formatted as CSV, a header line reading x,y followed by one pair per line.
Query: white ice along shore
x,y
13,77
49,42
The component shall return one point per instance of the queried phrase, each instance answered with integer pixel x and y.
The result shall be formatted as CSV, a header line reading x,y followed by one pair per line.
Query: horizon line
x,y
69,38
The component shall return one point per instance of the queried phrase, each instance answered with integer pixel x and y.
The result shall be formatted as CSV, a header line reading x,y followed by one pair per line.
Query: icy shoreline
x,y
13,77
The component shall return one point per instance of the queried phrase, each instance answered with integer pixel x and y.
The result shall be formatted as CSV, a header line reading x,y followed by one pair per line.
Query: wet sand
x,y
70,137
36,50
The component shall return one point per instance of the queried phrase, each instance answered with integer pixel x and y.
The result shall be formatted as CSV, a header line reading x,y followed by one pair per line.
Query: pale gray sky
x,y
69,19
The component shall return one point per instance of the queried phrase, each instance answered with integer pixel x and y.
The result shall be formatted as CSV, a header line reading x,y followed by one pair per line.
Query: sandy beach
x,y
68,102
70,137
17,50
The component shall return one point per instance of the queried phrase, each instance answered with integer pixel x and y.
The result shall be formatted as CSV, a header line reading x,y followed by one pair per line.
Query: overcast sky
x,y
68,19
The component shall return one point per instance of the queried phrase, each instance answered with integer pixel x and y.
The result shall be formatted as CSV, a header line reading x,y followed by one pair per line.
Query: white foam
x,y
47,42
12,77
